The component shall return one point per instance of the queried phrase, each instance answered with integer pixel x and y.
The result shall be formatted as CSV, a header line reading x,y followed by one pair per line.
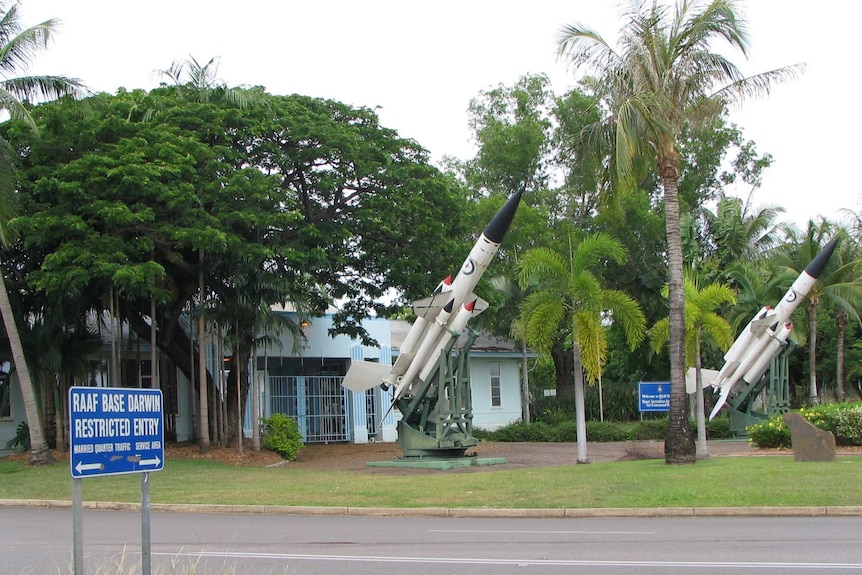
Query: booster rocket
x,y
748,357
439,317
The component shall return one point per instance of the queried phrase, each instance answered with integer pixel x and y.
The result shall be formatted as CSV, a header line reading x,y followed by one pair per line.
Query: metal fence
x,y
318,403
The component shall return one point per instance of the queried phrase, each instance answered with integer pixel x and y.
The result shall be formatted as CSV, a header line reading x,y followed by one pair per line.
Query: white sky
x,y
422,62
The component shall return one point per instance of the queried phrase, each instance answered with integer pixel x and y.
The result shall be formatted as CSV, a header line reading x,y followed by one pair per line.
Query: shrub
x,y
554,413
281,435
772,432
567,432
849,425
824,416
603,431
719,428
844,420
520,431
651,429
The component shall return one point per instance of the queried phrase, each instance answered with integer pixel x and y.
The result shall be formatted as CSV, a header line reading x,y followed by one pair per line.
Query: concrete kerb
x,y
459,512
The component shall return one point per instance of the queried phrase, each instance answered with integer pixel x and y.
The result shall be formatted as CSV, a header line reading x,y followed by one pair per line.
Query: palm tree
x,y
511,293
837,288
666,77
18,46
739,232
702,323
570,304
848,305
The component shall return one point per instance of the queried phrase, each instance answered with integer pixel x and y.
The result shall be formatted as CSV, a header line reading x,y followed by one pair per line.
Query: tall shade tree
x,y
702,324
511,126
570,304
18,46
312,193
664,77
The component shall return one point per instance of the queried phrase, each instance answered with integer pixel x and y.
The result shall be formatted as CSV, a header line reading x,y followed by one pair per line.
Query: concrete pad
x,y
435,463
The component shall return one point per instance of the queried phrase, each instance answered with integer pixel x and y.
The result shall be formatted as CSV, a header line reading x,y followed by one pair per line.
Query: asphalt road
x,y
38,541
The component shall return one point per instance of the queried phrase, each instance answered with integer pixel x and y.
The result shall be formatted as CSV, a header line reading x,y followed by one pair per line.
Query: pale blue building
x,y
303,379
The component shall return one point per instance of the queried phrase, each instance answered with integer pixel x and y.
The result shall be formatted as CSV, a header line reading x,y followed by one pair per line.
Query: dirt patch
x,y
353,457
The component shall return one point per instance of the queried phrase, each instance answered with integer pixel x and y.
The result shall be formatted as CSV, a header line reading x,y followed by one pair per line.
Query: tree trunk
x,y
40,454
813,398
841,320
525,384
679,446
202,370
562,371
238,388
580,415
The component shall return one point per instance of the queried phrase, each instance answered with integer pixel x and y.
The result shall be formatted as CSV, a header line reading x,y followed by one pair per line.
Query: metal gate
x,y
318,403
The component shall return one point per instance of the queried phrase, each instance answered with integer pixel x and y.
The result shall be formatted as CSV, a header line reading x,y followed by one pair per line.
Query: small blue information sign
x,y
114,430
654,396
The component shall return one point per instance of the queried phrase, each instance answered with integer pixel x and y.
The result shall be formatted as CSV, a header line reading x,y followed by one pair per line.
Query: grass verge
x,y
717,482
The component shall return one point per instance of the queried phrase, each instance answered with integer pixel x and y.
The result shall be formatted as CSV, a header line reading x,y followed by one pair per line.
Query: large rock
x,y
809,442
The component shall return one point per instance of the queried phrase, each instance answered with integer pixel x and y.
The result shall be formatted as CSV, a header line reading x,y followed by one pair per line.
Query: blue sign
x,y
115,430
654,396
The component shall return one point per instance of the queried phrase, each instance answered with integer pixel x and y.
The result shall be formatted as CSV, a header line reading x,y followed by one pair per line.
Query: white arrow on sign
x,y
155,461
87,467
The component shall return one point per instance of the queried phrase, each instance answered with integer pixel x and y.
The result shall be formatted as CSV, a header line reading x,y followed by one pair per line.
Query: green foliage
x,y
823,416
719,428
608,431
849,425
844,420
567,431
520,431
651,429
771,433
21,439
558,425
619,401
552,412
281,434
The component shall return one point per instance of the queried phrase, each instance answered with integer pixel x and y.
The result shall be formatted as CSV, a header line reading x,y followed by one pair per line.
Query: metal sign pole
x,y
78,526
145,524
113,431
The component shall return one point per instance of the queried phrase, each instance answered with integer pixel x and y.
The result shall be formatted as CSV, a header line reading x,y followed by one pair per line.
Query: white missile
x,y
750,354
426,346
467,312
435,320
758,368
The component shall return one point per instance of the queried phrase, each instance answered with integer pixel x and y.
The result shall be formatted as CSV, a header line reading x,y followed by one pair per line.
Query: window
x,y
495,383
5,391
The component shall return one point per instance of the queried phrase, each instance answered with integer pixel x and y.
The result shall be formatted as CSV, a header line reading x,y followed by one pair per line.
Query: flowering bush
x,y
842,419
773,432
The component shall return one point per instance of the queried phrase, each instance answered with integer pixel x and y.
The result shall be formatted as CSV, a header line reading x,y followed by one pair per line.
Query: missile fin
x,y
429,307
722,399
364,375
479,305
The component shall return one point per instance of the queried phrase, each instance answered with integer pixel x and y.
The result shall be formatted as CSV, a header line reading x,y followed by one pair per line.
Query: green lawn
x,y
716,482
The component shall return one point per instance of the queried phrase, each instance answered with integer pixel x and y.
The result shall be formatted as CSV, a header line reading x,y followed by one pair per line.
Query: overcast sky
x,y
422,62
